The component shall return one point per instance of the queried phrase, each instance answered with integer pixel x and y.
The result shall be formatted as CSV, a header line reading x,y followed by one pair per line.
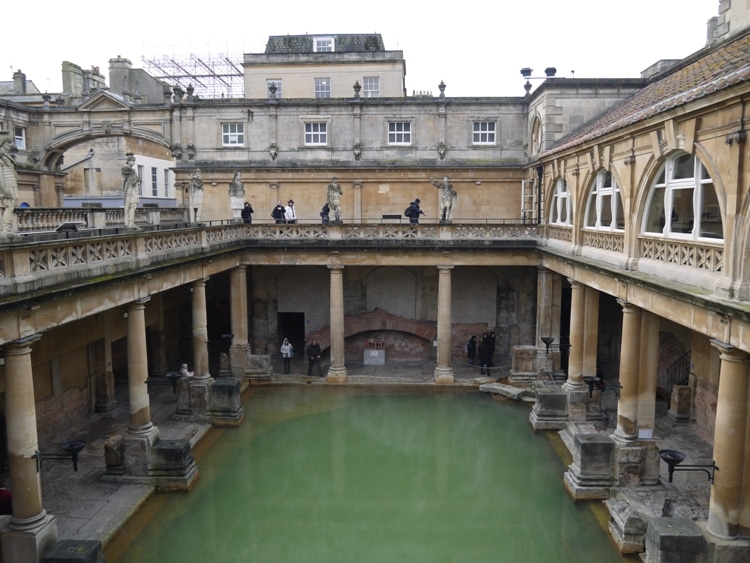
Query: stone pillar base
x,y
226,403
71,551
627,528
675,539
637,463
336,375
136,452
443,376
258,368
193,396
30,543
591,475
550,411
680,403
578,398
172,466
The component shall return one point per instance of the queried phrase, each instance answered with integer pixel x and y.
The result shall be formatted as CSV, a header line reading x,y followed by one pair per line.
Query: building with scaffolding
x,y
211,76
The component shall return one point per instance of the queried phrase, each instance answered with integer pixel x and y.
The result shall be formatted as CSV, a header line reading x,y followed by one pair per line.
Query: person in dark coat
x,y
485,354
279,213
414,212
471,349
247,213
325,214
313,357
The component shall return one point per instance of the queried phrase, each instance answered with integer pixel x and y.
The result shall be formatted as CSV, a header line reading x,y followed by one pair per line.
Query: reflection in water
x,y
369,475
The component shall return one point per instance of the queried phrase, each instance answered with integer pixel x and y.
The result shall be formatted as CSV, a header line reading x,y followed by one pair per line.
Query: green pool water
x,y
352,474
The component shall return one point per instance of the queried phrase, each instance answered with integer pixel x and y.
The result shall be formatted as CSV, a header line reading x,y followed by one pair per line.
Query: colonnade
x,y
729,508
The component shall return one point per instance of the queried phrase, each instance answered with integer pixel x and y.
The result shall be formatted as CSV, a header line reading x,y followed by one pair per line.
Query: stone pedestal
x,y
680,403
136,452
637,463
578,402
550,412
627,527
674,540
30,543
226,402
172,466
193,396
258,368
71,551
591,474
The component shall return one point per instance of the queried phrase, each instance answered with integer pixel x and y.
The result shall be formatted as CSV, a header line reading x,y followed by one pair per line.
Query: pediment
x,y
104,101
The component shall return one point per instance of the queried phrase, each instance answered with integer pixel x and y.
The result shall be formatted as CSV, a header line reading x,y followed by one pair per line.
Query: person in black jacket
x,y
414,212
471,349
313,357
279,213
247,213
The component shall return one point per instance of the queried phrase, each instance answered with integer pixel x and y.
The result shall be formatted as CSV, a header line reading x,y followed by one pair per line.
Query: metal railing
x,y
679,372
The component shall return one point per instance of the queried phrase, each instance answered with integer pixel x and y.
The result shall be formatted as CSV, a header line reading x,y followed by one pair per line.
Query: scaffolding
x,y
212,76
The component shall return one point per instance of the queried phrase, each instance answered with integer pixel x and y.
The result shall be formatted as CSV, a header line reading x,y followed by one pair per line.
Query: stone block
x,y
226,402
626,527
591,474
69,551
550,411
674,540
680,403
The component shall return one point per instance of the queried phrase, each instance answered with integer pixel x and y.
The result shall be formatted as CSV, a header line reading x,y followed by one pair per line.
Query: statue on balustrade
x,y
334,199
131,186
196,196
448,198
8,185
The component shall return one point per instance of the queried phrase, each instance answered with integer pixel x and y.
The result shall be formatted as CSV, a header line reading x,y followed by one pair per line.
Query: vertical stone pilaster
x,y
590,331
140,412
240,348
337,370
575,359
648,366
31,529
627,406
444,371
729,507
200,330
157,340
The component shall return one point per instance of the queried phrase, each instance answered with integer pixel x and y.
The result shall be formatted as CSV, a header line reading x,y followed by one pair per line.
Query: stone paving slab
x,y
504,390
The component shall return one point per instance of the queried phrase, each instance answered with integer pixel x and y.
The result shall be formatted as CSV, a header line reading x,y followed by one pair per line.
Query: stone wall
x,y
57,414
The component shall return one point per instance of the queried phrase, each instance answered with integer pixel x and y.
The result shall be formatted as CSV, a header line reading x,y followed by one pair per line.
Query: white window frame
x,y
316,133
140,176
324,44
371,86
399,133
484,132
166,182
19,134
233,134
276,81
604,191
154,181
322,87
670,185
561,208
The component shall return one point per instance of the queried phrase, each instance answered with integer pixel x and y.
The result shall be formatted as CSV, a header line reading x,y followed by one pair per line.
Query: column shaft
x,y
575,359
239,305
648,366
627,406
444,370
590,331
729,508
140,411
20,413
200,330
337,369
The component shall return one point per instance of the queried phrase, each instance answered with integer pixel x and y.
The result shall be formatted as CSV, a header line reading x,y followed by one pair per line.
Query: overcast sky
x,y
476,49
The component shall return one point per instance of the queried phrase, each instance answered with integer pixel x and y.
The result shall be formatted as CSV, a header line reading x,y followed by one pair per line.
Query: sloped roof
x,y
718,69
354,43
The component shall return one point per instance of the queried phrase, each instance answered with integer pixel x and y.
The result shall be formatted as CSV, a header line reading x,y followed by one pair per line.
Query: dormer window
x,y
323,44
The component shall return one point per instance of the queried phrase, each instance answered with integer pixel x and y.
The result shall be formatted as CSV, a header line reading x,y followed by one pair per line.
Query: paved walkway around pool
x,y
89,506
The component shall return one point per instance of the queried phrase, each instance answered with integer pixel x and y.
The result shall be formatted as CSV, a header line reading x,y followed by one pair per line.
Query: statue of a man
x,y
236,187
130,189
8,186
334,199
196,196
447,199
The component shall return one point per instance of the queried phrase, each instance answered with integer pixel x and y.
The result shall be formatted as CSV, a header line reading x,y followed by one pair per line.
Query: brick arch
x,y
376,320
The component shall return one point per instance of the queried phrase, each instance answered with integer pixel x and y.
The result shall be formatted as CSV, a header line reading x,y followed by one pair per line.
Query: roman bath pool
x,y
371,474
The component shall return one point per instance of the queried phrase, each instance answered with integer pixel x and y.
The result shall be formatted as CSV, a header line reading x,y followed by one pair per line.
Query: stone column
x,y
649,359
729,507
240,347
627,406
575,359
140,411
590,331
200,330
337,370
31,530
444,371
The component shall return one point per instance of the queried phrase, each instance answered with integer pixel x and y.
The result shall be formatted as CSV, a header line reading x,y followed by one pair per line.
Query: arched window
x,y
535,140
604,206
683,187
560,209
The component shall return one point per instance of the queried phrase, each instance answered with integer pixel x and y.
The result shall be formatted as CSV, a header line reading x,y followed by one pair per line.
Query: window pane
x,y
605,220
619,211
591,209
655,217
683,167
682,211
711,223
